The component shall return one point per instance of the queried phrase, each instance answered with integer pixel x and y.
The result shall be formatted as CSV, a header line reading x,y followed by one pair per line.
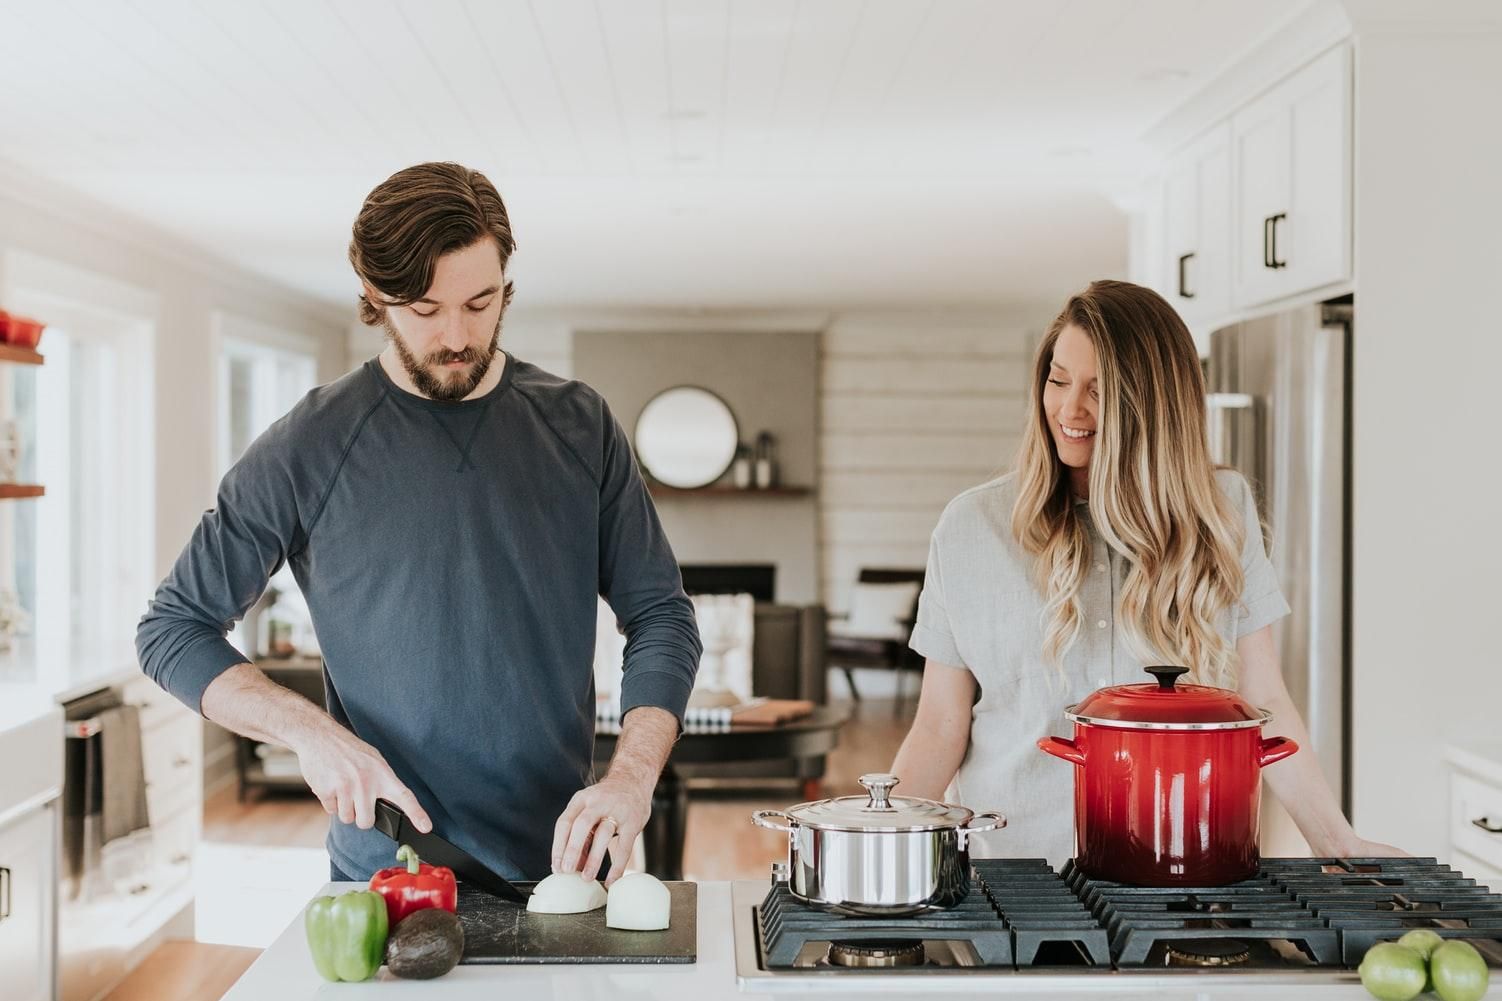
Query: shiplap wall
x,y
914,410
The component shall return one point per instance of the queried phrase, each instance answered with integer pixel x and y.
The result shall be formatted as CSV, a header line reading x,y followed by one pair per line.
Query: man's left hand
x,y
609,814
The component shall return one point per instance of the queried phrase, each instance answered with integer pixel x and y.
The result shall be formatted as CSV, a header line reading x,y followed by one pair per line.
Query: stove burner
x,y
876,953
1208,952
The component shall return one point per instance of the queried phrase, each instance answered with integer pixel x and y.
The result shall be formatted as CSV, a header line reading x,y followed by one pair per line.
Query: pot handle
x,y
763,818
980,824
1063,747
1274,749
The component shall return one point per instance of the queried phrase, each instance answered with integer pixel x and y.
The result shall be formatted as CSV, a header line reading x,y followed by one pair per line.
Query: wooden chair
x,y
848,651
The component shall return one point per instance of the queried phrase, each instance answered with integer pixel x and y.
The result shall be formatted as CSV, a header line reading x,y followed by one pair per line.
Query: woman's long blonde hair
x,y
1153,496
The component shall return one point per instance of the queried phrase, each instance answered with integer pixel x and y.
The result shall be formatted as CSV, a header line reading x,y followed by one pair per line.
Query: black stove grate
x,y
1378,899
786,925
1139,918
1040,909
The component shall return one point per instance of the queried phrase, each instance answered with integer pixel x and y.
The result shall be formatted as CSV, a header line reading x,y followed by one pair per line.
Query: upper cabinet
x,y
1196,267
1291,164
1256,208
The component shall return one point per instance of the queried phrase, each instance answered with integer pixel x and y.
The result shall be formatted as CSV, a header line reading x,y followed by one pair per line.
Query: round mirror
x,y
686,437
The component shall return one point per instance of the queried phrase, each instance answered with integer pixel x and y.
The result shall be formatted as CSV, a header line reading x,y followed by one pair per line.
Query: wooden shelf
x,y
659,490
16,491
21,356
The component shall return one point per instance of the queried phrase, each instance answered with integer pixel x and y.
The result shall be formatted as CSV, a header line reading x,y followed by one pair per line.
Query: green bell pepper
x,y
347,934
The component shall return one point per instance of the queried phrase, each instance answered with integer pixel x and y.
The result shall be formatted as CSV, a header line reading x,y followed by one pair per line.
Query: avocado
x,y
425,944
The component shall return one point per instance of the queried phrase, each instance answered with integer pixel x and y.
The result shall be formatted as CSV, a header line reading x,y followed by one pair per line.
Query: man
x,y
450,514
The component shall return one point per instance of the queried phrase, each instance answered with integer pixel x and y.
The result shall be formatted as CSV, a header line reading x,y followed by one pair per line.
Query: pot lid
x,y
1165,705
879,810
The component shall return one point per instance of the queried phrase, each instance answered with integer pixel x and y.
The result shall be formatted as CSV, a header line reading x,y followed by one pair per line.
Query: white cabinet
x,y
1197,227
28,888
1291,162
1476,810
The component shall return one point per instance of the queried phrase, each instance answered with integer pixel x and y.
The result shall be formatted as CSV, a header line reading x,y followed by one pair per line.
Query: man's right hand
x,y
348,776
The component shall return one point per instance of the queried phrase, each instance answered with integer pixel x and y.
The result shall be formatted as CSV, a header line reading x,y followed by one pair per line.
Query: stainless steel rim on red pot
x,y
878,854
1168,781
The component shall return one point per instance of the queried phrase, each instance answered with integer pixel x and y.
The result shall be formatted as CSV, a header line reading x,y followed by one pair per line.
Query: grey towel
x,y
123,807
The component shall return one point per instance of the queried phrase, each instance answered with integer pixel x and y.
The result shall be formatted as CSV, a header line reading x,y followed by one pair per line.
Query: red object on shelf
x,y
21,331
1168,782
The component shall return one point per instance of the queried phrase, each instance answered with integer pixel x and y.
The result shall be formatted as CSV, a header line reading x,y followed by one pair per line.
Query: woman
x,y
1115,544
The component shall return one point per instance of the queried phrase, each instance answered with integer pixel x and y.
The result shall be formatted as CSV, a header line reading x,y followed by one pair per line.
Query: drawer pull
x,y
1486,825
181,761
4,893
180,857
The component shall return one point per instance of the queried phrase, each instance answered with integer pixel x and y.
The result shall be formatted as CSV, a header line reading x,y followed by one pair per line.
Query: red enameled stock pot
x,y
1169,781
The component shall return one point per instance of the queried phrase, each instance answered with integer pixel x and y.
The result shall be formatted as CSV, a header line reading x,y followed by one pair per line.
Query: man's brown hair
x,y
413,218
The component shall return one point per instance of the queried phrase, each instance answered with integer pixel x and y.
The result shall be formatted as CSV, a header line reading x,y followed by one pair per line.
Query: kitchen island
x,y
284,972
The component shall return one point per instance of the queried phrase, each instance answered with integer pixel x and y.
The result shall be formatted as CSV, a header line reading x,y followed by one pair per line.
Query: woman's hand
x,y
1361,848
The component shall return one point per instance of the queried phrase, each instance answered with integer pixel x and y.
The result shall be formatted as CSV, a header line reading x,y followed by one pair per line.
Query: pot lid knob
x,y
879,785
1166,676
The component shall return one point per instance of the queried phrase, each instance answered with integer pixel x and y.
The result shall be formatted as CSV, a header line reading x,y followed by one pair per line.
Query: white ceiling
x,y
708,153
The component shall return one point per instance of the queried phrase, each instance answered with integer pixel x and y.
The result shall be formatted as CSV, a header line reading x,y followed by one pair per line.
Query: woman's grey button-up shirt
x,y
981,611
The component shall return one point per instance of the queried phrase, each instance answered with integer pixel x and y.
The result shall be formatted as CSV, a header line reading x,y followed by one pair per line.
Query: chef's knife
x,y
396,825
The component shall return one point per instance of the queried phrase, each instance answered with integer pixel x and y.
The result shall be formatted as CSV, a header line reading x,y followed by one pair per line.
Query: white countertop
x,y
285,972
1483,758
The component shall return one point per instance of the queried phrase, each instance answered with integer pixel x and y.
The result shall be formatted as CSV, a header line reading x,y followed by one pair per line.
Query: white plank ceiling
x,y
701,153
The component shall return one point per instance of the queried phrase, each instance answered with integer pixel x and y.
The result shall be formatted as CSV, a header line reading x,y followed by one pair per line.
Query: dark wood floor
x,y
721,843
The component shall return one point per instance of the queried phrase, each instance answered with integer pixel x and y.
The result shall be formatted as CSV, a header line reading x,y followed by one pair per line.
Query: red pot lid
x,y
1165,705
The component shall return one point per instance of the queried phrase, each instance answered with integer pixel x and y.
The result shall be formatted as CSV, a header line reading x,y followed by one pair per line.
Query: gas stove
x,y
1301,921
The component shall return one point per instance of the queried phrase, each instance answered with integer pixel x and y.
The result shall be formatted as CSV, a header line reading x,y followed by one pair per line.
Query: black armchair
x,y
848,649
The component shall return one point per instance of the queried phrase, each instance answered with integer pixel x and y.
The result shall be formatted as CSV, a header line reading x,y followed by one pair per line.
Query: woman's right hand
x,y
348,776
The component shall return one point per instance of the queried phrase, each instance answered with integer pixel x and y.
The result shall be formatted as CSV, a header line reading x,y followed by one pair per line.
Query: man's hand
x,y
612,812
609,814
348,776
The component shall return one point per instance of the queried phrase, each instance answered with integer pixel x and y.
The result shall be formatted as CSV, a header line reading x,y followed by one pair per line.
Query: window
x,y
257,384
263,372
81,557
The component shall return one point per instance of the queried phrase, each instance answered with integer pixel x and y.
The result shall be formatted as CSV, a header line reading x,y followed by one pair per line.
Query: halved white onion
x,y
566,893
638,901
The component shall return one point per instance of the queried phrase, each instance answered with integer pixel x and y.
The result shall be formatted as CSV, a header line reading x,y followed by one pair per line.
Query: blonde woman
x,y
1115,544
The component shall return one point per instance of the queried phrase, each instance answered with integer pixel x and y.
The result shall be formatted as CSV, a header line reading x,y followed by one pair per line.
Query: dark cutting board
x,y
498,931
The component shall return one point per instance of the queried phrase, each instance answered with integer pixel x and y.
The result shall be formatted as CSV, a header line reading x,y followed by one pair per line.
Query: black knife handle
x,y
388,819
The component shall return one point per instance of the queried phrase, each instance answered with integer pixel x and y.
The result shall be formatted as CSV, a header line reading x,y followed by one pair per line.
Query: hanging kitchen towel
x,y
123,808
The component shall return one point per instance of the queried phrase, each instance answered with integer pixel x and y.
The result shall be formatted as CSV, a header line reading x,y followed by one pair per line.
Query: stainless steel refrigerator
x,y
1279,395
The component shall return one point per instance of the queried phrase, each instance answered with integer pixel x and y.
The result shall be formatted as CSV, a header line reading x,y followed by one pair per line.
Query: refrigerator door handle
x,y
1219,410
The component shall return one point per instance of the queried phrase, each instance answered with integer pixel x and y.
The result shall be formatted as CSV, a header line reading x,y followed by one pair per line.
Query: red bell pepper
x,y
415,886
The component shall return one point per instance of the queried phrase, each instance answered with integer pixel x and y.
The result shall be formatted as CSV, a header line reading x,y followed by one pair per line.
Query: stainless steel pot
x,y
878,855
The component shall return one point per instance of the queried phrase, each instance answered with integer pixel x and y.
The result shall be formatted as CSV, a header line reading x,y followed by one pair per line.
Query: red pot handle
x,y
1275,749
1062,747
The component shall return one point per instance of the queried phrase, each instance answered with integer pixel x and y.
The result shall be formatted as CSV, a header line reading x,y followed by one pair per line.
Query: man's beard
x,y
453,386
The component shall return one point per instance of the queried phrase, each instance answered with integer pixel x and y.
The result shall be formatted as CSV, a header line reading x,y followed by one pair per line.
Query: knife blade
x,y
396,825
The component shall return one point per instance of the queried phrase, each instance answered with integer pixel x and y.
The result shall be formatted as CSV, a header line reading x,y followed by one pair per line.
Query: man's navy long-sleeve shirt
x,y
450,555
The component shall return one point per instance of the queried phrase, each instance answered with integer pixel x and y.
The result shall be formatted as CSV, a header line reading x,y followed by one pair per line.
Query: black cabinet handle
x,y
1486,825
1270,241
1184,292
4,893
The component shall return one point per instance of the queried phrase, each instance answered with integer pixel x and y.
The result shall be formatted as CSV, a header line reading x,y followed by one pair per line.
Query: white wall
x,y
1427,358
916,407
